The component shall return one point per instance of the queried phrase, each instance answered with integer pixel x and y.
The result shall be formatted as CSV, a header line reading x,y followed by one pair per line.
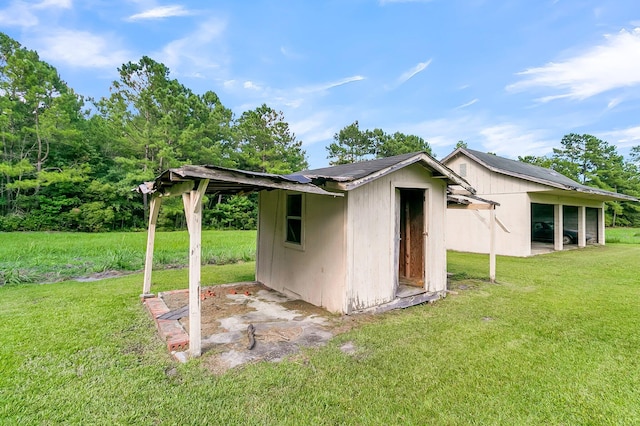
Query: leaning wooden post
x,y
154,208
193,209
492,244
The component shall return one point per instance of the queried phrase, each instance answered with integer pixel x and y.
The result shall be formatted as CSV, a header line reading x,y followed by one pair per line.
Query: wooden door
x,y
411,257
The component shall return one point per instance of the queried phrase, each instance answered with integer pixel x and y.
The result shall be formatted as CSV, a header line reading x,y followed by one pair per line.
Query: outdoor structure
x,y
540,209
347,238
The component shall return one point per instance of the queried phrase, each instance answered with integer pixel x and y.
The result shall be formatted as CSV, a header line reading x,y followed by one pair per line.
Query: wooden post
x,y
193,210
492,244
154,208
601,228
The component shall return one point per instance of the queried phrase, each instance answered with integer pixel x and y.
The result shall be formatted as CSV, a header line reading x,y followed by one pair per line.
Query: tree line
x,y
596,163
69,163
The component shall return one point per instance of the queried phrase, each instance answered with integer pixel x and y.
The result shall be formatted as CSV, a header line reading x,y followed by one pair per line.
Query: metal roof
x,y
356,174
533,173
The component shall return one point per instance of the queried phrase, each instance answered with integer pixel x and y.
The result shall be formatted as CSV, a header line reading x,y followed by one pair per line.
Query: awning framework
x,y
193,183
460,198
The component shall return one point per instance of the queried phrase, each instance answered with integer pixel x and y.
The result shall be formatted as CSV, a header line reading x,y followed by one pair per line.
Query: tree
x,y
399,143
584,157
43,152
461,144
352,145
543,161
266,144
594,162
635,154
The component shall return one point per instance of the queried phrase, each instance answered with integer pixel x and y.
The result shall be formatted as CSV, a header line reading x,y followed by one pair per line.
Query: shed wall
x,y
372,236
314,272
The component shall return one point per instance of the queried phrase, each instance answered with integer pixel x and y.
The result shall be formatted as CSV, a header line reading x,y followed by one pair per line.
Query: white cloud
x,y
511,140
251,85
22,14
330,85
623,138
504,138
81,49
608,66
315,128
467,104
18,14
46,4
613,103
161,12
407,75
197,52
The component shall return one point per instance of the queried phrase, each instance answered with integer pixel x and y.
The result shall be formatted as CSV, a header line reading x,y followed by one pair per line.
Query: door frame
x,y
396,191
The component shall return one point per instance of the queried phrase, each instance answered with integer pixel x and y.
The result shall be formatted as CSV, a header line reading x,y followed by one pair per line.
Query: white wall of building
x,y
348,260
468,230
314,272
372,236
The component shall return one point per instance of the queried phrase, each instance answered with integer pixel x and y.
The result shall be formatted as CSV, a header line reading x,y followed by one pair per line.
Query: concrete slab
x,y
282,325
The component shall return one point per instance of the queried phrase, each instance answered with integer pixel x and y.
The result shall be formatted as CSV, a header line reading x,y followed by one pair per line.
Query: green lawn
x,y
623,235
556,341
56,256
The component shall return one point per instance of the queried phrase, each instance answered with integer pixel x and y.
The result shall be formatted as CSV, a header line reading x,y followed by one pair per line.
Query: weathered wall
x,y
314,272
372,236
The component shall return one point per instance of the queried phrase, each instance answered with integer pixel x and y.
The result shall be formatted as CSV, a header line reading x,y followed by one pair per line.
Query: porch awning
x,y
179,180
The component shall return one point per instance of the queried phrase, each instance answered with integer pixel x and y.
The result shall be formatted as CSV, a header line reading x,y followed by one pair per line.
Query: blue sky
x,y
510,77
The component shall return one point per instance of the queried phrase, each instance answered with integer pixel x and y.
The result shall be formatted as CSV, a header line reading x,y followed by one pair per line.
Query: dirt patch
x,y
214,305
281,325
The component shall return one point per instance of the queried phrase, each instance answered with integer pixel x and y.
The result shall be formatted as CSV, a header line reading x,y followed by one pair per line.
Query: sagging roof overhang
x,y
462,199
224,181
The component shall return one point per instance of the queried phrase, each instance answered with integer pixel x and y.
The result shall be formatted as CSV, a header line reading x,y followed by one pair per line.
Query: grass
x,y
554,342
56,256
623,235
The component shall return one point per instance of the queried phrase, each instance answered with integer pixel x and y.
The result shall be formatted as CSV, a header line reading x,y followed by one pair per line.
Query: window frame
x,y
299,245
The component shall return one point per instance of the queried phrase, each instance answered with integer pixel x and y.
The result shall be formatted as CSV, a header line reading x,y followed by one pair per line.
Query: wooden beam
x,y
178,188
473,206
154,208
492,245
193,207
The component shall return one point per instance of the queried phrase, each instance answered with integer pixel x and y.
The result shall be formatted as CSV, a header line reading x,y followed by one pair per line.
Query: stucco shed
x,y
539,207
353,237
383,240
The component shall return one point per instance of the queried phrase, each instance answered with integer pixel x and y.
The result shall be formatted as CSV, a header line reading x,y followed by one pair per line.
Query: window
x,y
463,170
294,219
